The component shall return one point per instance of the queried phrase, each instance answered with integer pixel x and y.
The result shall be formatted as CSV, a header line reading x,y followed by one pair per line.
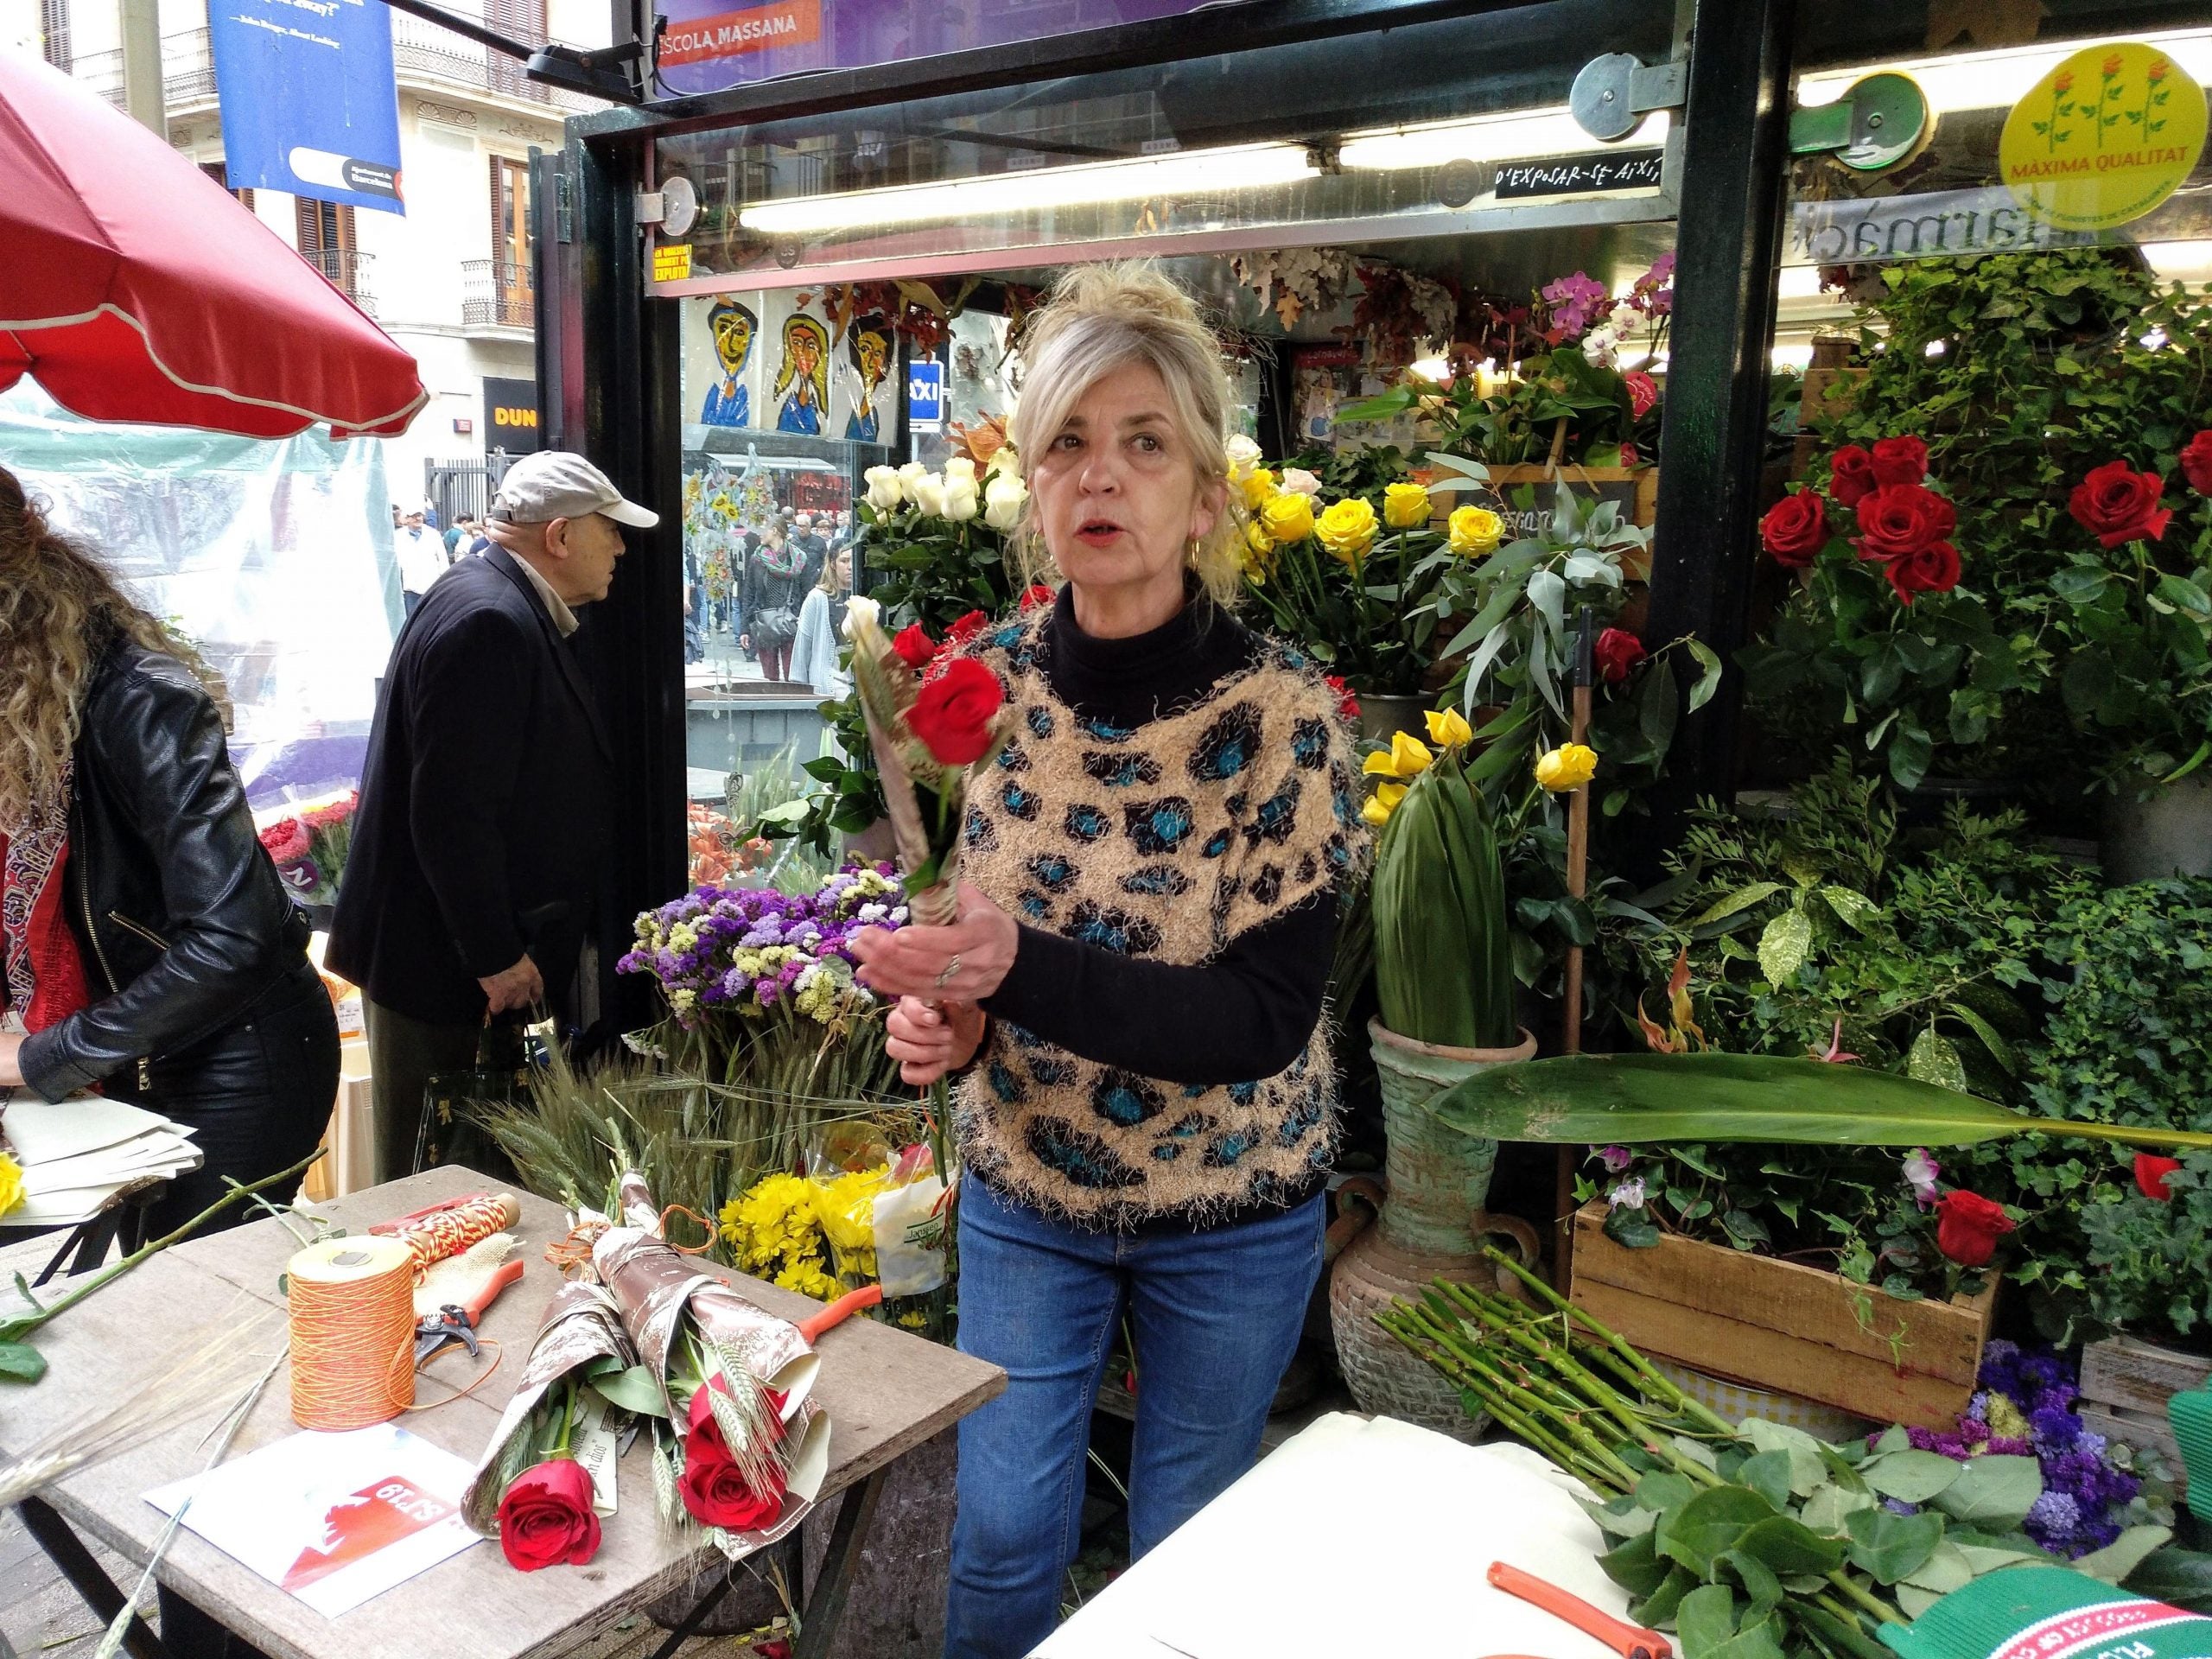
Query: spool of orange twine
x,y
353,1308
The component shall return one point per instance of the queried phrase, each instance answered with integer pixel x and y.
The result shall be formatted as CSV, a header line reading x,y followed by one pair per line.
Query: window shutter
x,y
54,27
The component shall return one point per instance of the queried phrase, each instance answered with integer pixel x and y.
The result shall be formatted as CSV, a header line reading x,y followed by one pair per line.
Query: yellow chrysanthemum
x,y
1407,758
1449,729
1383,802
1567,767
1475,531
1287,518
846,1209
1347,529
1405,506
1258,487
11,1184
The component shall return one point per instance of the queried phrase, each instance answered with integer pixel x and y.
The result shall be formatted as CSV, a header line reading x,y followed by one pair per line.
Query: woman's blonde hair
x,y
58,610
827,581
1107,317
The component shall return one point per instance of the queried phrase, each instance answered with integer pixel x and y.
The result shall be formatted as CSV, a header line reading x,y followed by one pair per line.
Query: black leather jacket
x,y
179,917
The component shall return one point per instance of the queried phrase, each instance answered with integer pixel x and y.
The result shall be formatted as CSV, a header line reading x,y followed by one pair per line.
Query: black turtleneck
x,y
1246,1015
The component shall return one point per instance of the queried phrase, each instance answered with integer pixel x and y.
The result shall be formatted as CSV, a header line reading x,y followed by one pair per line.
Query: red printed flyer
x,y
336,1519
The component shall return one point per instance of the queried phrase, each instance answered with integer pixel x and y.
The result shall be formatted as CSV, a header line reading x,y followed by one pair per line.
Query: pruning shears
x,y
1629,1641
457,1322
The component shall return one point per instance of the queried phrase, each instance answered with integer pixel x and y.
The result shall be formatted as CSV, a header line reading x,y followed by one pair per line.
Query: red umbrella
x,y
135,288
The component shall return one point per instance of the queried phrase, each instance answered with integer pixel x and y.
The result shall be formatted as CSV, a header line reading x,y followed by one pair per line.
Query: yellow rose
x,y
1347,529
1288,519
1475,531
1405,506
1567,768
1257,486
1407,759
1449,730
1383,802
11,1184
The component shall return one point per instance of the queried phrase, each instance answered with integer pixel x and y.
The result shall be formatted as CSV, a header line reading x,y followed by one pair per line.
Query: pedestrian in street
x,y
422,559
773,591
814,653
487,807
813,547
1146,1113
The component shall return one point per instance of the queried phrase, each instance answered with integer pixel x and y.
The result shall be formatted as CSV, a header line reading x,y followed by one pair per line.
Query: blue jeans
x,y
1217,1316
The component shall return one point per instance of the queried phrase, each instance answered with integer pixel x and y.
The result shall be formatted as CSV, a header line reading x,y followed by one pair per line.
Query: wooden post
x,y
1578,881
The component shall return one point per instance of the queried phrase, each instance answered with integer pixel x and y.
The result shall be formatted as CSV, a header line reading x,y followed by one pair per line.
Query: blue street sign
x,y
308,101
925,394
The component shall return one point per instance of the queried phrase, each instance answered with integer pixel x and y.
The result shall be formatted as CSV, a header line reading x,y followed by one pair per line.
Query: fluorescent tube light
x,y
1515,136
1210,172
1996,81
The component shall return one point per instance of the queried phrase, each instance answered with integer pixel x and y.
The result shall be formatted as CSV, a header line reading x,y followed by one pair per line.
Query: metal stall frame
x,y
609,361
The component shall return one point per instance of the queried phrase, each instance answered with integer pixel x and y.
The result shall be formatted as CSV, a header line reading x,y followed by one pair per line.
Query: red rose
x,y
1629,456
1899,461
712,1489
286,843
1930,569
1901,518
1967,1227
1852,475
1033,597
1347,704
1795,529
1618,652
2150,1172
2197,463
966,628
2116,505
546,1519
952,716
914,646
1643,393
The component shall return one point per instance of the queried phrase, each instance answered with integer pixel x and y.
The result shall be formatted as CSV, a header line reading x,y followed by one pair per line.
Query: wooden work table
x,y
886,1391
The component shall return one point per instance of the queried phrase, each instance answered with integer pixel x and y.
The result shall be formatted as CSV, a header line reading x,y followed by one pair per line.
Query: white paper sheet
x,y
336,1519
1358,1536
40,1131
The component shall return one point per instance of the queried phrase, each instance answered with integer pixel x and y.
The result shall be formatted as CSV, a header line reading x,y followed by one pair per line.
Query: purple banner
x,y
713,44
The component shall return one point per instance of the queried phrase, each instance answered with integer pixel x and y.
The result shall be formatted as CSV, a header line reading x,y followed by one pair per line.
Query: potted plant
x,y
1443,980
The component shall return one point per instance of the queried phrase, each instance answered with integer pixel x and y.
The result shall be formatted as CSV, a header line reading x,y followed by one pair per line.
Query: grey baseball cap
x,y
555,484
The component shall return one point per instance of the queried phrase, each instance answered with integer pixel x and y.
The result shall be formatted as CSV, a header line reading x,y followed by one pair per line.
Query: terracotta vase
x,y
1432,1225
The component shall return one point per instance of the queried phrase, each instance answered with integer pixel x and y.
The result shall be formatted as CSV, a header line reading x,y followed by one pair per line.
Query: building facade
x,y
450,278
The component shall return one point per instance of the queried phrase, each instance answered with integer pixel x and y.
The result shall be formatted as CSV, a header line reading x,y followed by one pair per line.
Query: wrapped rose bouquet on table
x,y
740,1447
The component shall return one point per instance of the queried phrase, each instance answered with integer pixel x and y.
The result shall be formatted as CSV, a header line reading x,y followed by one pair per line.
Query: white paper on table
x,y
336,1519
1372,1536
40,1131
159,1153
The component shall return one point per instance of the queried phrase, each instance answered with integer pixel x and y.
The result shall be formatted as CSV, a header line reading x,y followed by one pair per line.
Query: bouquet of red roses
x,y
740,1448
1878,505
932,715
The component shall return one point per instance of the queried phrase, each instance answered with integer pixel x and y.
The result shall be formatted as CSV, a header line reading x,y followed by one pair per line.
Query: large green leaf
x,y
1995,1492
1892,1547
2116,1561
1443,960
2181,1576
1710,1525
1705,1619
1602,1099
1912,1476
21,1362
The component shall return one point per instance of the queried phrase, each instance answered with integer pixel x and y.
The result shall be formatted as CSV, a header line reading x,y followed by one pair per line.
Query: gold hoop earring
x,y
1192,557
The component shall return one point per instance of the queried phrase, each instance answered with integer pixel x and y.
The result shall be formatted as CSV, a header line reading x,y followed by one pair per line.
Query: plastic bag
x,y
883,1212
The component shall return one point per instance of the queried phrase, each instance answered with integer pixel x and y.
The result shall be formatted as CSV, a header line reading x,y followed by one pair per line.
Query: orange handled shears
x,y
1629,1641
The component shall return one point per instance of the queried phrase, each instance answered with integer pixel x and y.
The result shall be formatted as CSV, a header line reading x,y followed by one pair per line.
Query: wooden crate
x,y
1784,1327
2125,1386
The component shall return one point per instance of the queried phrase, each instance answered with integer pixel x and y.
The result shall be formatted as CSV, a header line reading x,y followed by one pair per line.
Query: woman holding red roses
x,y
1134,989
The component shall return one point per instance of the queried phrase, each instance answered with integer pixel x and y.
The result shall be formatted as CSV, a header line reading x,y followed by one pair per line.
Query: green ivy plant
x,y
2022,373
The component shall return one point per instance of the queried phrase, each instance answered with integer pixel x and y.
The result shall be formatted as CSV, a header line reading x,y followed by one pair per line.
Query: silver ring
x,y
945,975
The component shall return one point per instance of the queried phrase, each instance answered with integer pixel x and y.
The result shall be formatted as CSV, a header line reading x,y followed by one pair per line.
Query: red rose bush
x,y
1882,508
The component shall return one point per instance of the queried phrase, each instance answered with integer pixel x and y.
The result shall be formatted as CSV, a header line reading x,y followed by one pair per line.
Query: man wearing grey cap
x,y
486,809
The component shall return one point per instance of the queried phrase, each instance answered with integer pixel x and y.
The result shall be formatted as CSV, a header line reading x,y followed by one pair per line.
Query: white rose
x,y
1244,456
1299,481
1003,499
1004,463
861,610
911,474
960,467
883,491
928,494
960,504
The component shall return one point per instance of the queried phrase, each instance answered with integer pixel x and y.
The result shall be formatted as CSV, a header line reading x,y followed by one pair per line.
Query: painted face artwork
x,y
805,372
729,400
870,344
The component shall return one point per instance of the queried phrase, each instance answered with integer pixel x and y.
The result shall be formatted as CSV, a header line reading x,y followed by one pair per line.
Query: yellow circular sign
x,y
2104,137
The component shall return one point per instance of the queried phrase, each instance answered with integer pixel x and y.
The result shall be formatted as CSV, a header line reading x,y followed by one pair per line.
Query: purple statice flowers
x,y
2024,1407
752,949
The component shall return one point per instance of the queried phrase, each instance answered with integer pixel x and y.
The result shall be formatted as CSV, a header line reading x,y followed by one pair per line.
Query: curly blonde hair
x,y
58,610
1105,317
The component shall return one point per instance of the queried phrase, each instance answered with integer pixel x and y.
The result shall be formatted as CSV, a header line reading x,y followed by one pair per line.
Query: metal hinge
x,y
1613,93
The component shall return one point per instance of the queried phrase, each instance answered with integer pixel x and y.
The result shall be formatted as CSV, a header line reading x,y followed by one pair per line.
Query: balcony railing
x,y
422,49
496,293
188,70
347,270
